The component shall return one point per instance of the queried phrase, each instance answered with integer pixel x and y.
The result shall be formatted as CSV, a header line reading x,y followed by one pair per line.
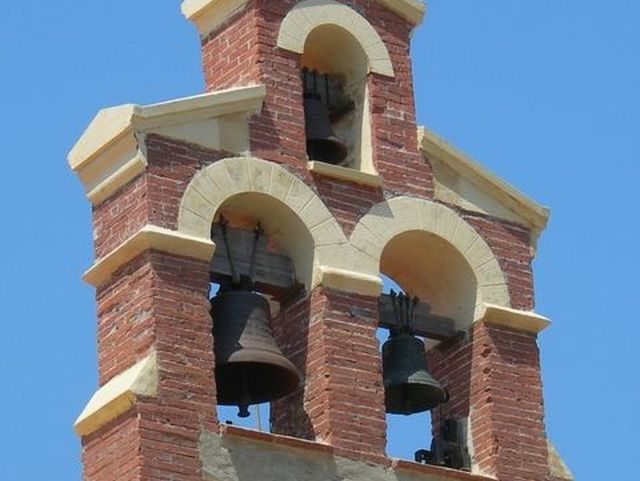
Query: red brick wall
x,y
510,242
494,377
342,402
294,335
113,452
229,54
347,202
125,318
154,196
120,216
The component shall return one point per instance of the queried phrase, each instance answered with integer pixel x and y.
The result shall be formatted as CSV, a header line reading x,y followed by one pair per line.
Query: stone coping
x,y
392,463
529,210
114,122
445,473
207,15
118,395
111,151
254,434
527,321
344,173
351,281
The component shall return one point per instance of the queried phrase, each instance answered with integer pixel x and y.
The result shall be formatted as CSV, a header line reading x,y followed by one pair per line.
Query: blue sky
x,y
546,94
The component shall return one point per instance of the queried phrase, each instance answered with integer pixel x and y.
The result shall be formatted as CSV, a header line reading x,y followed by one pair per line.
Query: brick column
x,y
342,402
494,378
156,301
506,397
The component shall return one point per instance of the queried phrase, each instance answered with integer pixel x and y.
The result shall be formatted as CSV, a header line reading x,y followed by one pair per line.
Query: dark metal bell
x,y
408,386
322,143
250,368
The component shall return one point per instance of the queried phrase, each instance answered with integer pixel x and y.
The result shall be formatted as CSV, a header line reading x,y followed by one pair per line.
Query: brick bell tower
x,y
307,129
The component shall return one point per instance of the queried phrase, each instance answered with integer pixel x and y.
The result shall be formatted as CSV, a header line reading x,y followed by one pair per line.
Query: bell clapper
x,y
245,398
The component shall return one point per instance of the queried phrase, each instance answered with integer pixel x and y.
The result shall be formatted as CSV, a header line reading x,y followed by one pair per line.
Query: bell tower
x,y
241,236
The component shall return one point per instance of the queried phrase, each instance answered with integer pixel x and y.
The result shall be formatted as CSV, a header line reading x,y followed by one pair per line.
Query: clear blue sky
x,y
546,94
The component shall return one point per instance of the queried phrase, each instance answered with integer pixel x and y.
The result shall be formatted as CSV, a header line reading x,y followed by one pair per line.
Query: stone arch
x,y
310,14
400,216
212,186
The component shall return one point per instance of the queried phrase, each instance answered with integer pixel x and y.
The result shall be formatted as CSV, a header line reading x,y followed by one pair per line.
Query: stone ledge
x,y
149,237
278,439
527,321
344,173
319,462
351,281
411,10
118,395
439,471
207,15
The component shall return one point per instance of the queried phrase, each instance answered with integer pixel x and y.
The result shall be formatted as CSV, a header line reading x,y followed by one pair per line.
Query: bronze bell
x,y
322,143
250,369
408,386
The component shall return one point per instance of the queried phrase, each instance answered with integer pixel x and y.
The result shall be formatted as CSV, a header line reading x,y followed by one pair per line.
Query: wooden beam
x,y
425,324
273,268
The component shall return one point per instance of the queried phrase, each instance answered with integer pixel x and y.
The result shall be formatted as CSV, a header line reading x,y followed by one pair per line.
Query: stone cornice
x,y
532,214
207,15
147,238
111,151
411,10
513,318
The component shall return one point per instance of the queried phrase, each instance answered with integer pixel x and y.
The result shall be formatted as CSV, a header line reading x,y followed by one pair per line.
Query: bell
x,y
250,369
322,143
408,386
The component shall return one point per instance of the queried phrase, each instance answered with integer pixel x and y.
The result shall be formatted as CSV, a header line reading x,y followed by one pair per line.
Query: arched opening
x,y
335,66
259,237
432,269
422,264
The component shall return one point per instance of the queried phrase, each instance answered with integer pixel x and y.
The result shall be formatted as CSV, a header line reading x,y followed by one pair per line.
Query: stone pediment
x,y
111,150
461,181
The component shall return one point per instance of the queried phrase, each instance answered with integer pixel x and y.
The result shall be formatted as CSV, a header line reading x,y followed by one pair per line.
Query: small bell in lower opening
x,y
250,368
408,386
